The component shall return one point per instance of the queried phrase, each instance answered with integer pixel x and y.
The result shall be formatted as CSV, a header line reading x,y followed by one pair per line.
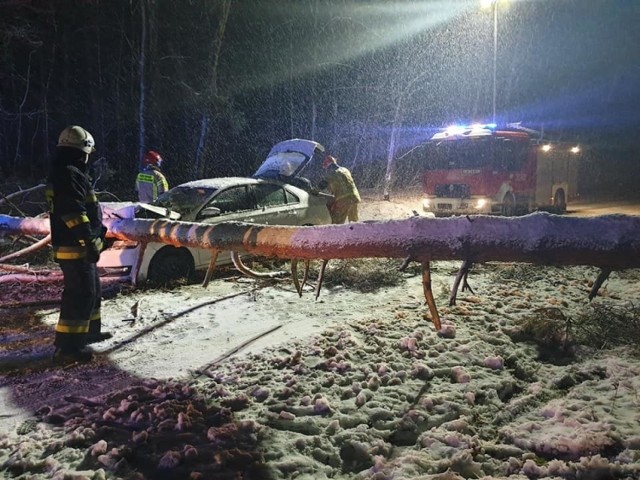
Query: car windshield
x,y
184,199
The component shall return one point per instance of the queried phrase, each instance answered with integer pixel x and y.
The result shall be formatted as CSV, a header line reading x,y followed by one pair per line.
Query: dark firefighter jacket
x,y
74,212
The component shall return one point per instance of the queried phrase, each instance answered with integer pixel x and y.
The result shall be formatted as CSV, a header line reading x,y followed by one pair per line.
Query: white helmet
x,y
77,137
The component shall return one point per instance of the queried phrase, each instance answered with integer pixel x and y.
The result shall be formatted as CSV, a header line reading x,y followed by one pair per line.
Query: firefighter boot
x,y
96,337
65,356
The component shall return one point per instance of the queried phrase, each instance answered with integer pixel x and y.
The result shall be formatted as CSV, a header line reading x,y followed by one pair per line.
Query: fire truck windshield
x,y
495,153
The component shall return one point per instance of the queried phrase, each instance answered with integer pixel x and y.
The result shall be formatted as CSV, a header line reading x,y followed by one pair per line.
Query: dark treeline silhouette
x,y
213,84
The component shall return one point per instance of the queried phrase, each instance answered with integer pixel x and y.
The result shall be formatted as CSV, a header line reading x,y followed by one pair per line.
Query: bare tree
x,y
213,92
142,88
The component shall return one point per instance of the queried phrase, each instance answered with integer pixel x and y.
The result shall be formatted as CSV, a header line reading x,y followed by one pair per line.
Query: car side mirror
x,y
210,212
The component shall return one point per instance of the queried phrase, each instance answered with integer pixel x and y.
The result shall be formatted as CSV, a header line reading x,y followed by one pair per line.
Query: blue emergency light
x,y
475,130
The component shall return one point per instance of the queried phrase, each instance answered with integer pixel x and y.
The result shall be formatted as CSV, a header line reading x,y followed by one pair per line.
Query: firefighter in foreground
x,y
345,193
150,182
77,237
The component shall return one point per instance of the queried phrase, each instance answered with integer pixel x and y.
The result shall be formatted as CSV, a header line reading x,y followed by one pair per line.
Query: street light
x,y
488,4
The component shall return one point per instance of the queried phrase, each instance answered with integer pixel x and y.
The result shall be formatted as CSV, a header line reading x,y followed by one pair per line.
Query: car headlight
x,y
426,204
480,203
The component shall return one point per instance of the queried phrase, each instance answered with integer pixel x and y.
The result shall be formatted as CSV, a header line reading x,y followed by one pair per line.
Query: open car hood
x,y
288,159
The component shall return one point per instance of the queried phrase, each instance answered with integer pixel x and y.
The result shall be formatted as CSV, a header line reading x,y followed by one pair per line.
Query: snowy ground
x,y
353,385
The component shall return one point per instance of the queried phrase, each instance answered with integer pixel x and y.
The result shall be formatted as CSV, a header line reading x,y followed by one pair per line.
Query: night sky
x,y
565,63
344,73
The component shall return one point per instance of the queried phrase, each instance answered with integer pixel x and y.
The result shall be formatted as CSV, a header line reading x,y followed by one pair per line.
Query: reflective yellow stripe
x,y
68,256
75,220
68,253
95,316
144,177
72,328
91,198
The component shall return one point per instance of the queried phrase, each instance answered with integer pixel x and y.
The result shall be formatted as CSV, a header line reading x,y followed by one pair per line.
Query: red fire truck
x,y
480,169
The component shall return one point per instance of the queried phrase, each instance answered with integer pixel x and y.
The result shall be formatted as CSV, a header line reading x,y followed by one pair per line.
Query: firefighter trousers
x,y
342,210
80,305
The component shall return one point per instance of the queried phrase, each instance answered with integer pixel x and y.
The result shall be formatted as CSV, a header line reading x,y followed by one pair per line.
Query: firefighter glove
x,y
94,247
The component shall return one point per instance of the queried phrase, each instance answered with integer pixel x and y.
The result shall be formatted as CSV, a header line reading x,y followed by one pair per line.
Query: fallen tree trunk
x,y
31,277
610,242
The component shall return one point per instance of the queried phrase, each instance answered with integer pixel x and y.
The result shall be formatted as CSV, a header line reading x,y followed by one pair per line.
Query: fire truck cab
x,y
480,169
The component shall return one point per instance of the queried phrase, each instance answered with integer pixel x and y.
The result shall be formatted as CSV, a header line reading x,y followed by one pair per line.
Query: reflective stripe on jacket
x,y
150,183
74,212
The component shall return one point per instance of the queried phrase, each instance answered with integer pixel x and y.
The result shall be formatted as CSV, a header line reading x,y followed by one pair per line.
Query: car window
x,y
183,200
269,195
291,198
236,199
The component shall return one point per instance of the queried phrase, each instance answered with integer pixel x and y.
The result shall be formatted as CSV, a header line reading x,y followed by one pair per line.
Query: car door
x,y
263,203
234,204
276,205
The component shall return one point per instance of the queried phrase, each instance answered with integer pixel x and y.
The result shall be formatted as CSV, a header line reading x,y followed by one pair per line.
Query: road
x,y
586,208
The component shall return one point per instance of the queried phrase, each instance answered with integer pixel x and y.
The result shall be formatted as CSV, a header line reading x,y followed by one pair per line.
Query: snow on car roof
x,y
217,183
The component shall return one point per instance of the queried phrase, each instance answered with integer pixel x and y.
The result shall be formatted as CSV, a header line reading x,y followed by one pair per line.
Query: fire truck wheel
x,y
170,263
508,205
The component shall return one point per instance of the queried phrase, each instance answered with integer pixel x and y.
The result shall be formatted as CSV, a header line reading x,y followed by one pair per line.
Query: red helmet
x,y
152,158
328,160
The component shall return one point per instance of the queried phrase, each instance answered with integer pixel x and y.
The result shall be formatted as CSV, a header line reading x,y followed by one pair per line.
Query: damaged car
x,y
276,194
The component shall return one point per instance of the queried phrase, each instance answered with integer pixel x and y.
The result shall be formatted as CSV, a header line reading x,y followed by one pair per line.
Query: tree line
x,y
213,84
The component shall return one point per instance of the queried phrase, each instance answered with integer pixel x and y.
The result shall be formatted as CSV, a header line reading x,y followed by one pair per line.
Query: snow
x,y
353,385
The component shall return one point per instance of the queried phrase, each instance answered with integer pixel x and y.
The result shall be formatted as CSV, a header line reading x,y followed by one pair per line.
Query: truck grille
x,y
452,190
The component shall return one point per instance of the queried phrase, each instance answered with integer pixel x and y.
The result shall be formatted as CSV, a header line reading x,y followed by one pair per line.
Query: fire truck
x,y
480,169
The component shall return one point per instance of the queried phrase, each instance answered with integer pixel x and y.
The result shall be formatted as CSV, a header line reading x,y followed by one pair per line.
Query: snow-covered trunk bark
x,y
611,241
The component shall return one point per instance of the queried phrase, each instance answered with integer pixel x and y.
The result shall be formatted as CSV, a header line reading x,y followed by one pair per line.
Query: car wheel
x,y
170,263
508,205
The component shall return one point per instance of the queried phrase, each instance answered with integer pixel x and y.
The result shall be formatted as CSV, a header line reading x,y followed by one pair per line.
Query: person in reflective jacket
x,y
77,237
345,193
150,182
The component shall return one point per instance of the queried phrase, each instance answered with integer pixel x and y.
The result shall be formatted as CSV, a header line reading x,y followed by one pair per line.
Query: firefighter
x,y
150,182
345,193
77,237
